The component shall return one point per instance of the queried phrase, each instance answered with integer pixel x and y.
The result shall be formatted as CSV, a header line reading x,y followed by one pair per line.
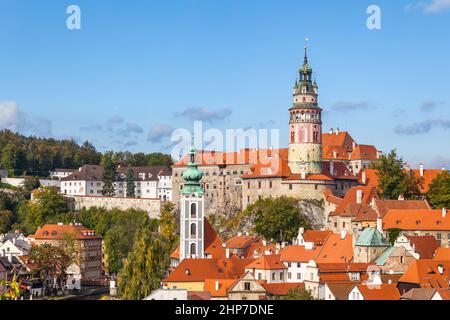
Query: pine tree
x,y
168,222
109,175
131,188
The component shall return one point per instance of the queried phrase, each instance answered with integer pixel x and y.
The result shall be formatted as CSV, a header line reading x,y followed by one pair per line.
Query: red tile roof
x,y
241,242
425,246
336,250
330,197
267,262
430,220
379,292
318,237
197,270
425,272
281,289
349,207
298,254
428,177
59,232
364,152
442,254
383,206
342,139
223,286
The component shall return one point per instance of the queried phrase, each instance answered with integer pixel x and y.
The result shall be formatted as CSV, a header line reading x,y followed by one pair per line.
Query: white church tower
x,y
192,212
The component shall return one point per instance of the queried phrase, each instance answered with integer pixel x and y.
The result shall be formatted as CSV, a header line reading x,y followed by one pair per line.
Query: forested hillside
x,y
22,155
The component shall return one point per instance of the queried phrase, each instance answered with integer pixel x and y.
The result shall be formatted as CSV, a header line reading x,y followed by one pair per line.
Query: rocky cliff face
x,y
315,212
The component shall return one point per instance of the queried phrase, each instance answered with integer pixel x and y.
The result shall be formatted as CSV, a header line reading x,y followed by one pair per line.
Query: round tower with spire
x,y
305,142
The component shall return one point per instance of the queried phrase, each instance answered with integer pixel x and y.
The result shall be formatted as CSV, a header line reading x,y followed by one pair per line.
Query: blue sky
x,y
138,69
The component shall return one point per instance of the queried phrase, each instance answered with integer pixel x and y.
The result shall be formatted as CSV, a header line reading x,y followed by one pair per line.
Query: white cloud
x,y
437,6
430,7
12,118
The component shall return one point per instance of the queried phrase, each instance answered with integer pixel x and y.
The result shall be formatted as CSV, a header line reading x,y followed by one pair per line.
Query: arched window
x,y
193,210
193,230
193,249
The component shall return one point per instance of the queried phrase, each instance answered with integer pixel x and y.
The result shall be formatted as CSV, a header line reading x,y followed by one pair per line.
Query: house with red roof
x,y
268,268
374,292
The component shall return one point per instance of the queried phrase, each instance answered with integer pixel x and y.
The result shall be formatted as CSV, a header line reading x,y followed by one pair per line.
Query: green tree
x,y
168,222
131,188
109,175
438,194
8,157
48,206
52,261
30,184
299,294
393,234
394,181
277,218
6,220
145,266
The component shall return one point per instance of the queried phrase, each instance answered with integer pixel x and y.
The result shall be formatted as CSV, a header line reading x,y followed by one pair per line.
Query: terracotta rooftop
x,y
384,206
298,254
221,284
318,237
281,289
240,241
349,206
425,272
336,250
59,232
442,254
267,262
425,246
379,292
340,290
416,220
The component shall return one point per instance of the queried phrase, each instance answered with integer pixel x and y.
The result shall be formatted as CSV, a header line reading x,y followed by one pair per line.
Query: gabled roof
x,y
444,294
281,289
349,206
425,272
336,250
383,206
425,246
364,152
197,270
318,237
241,241
298,254
371,237
86,173
419,294
340,290
267,262
428,176
330,197
442,253
223,285
341,138
416,220
379,292
59,232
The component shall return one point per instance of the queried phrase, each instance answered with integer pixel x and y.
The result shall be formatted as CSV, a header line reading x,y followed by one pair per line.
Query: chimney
x,y
444,212
217,285
421,169
379,154
10,258
380,224
359,196
303,175
331,131
227,253
343,234
332,168
301,231
354,145
239,234
60,224
337,131
335,154
309,245
364,177
264,242
283,244
441,269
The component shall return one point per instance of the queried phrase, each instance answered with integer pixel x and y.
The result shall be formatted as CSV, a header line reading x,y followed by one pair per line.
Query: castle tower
x,y
305,140
192,212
